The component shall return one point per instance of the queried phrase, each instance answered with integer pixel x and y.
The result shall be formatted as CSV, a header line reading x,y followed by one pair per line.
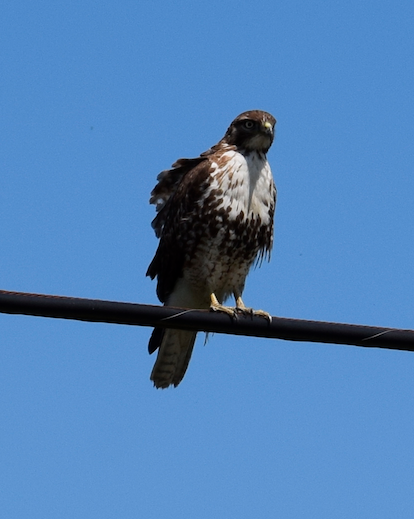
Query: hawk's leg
x,y
242,308
215,306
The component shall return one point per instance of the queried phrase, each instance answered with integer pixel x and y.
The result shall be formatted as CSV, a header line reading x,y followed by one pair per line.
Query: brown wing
x,y
168,182
178,219
265,234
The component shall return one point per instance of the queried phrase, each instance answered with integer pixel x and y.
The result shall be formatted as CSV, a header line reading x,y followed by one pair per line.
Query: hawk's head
x,y
252,131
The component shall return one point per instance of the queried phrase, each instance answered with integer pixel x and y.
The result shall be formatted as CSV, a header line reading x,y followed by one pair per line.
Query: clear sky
x,y
96,99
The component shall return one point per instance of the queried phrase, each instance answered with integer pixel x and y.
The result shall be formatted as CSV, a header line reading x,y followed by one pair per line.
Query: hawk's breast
x,y
246,184
235,222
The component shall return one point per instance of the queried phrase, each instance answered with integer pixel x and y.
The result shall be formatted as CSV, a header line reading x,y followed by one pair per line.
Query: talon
x,y
240,306
262,313
215,306
244,311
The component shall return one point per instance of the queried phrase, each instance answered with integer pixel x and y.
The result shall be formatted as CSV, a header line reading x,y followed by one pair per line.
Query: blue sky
x,y
96,99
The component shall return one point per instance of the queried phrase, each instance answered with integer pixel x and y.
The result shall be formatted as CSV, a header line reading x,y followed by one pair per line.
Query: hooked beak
x,y
267,127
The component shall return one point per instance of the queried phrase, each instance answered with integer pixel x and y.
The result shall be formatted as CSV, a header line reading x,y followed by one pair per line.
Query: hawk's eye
x,y
248,124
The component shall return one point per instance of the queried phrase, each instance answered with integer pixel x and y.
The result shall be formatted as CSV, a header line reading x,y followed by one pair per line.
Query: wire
x,y
95,310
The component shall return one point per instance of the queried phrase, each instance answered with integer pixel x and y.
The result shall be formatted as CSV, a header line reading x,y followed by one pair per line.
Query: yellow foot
x,y
215,306
241,308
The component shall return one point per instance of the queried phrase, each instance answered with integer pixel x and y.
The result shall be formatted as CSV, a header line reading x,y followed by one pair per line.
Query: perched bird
x,y
214,220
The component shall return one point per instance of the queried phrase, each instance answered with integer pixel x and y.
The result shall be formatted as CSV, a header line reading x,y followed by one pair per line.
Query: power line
x,y
96,310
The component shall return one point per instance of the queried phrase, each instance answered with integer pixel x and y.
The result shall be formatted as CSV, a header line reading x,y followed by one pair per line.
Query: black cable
x,y
95,310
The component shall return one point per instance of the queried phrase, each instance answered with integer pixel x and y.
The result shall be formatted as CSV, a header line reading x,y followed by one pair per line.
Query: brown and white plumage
x,y
214,219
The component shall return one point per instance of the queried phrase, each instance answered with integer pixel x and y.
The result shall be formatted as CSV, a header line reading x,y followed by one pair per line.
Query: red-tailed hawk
x,y
214,219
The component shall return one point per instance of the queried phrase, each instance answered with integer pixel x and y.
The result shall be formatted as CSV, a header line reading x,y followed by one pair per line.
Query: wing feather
x,y
177,215
168,182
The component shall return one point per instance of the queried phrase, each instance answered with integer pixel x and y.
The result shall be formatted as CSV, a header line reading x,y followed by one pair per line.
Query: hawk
x,y
214,220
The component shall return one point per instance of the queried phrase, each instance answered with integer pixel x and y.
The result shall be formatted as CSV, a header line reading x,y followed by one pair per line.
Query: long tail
x,y
175,349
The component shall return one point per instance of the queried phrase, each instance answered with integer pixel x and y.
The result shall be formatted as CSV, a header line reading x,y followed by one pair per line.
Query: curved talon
x,y
240,308
262,313
244,311
229,310
259,313
215,306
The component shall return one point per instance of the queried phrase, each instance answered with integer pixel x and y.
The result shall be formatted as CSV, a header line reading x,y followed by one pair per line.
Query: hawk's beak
x,y
267,127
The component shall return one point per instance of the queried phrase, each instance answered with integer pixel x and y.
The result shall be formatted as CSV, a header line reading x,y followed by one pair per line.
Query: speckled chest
x,y
235,219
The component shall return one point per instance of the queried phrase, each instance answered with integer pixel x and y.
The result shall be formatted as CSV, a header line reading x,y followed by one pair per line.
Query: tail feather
x,y
175,349
155,339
